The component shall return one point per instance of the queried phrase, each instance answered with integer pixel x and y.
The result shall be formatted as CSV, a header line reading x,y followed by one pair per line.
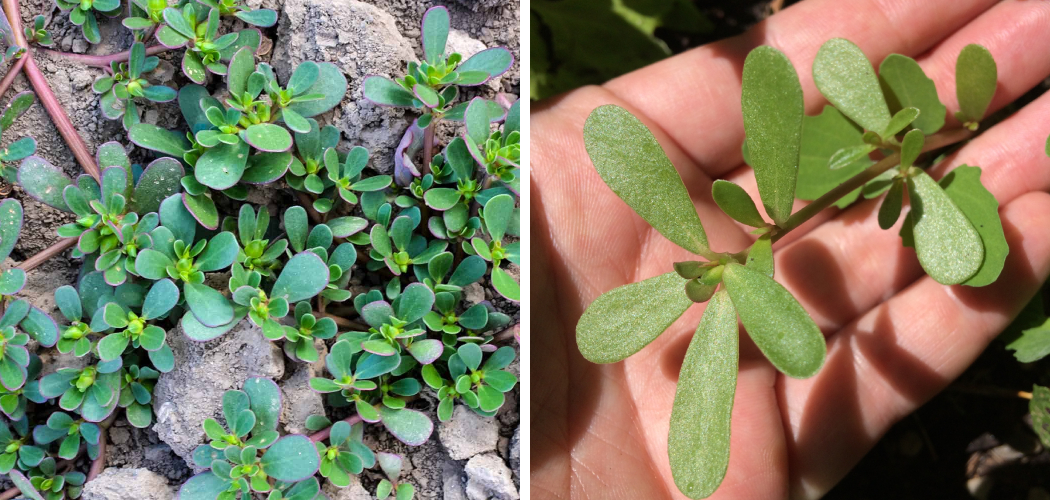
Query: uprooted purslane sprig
x,y
953,224
372,272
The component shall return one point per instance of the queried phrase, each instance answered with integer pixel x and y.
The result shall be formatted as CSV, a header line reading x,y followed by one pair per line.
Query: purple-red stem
x,y
60,118
323,434
9,494
102,61
100,462
428,146
343,322
9,78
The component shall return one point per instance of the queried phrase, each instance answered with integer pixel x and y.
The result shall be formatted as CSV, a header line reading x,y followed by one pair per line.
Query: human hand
x,y
895,337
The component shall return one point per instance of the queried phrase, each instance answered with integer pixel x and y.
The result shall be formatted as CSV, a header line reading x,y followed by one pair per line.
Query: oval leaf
x,y
736,203
845,77
948,246
303,277
975,81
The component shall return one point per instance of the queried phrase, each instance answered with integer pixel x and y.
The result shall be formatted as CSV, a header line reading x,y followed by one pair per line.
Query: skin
x,y
895,337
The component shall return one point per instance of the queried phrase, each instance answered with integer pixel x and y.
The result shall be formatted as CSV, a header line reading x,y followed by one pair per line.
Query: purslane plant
x,y
952,224
125,83
83,13
21,148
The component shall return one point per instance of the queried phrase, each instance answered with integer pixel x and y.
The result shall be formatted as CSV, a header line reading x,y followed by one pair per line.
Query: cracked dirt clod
x,y
299,401
489,478
466,434
125,484
203,371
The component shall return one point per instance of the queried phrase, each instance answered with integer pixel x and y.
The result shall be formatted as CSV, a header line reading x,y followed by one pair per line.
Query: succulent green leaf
x,y
622,321
386,92
773,110
736,203
698,440
304,276
18,105
948,246
890,210
290,459
899,121
410,426
975,81
152,264
158,139
505,284
905,85
776,322
23,485
633,164
268,137
219,254
208,305
498,213
911,148
10,225
162,296
221,166
494,61
159,180
760,257
980,207
846,78
823,136
331,83
43,181
435,33
415,301
242,65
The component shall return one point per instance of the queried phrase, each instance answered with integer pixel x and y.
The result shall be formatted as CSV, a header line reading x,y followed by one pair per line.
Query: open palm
x,y
895,337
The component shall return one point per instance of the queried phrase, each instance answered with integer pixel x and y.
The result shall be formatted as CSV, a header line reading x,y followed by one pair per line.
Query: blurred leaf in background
x,y
583,42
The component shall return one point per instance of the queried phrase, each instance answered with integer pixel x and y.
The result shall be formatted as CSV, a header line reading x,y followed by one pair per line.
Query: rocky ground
x,y
470,456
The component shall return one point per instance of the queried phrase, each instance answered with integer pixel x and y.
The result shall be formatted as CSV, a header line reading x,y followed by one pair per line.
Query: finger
x,y
849,265
901,353
695,96
1006,30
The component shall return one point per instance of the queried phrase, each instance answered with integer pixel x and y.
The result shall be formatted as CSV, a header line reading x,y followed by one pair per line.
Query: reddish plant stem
x,y
14,18
428,147
309,205
51,251
102,61
100,462
9,78
60,118
507,334
9,494
323,434
341,321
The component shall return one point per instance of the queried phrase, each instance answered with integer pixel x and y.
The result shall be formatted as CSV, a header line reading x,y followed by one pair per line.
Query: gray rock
x,y
352,492
459,41
203,371
452,481
125,484
299,401
515,452
467,434
361,39
473,293
489,478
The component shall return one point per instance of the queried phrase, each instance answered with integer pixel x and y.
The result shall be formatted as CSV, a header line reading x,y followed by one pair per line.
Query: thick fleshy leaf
x,y
975,81
263,18
219,254
948,246
202,208
699,431
40,326
386,92
736,203
242,65
495,61
498,213
304,276
159,180
504,284
773,110
12,281
203,486
845,77
264,168
906,85
268,137
22,483
426,351
265,402
157,139
331,83
209,306
10,225
410,426
890,210
15,108
980,207
151,264
201,333
435,33
162,296
19,149
415,301
290,459
221,166
622,321
777,323
911,148
632,163
343,227
43,181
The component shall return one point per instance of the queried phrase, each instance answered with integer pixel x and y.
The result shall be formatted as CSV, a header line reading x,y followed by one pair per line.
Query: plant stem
x,y
341,321
323,434
990,391
51,251
61,119
14,18
935,141
9,494
100,462
428,147
309,205
509,333
9,78
102,61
